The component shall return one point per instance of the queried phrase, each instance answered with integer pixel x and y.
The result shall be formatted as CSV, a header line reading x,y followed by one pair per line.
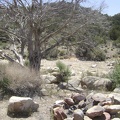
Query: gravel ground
x,y
46,102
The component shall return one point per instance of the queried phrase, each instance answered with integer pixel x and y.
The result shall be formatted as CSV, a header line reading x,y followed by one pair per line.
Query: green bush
x,y
96,54
115,75
4,84
89,52
117,43
64,72
4,81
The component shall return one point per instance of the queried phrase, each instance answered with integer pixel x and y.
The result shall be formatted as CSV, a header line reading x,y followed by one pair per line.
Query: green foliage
x,y
115,33
115,30
3,45
117,43
89,52
64,72
4,84
53,54
96,54
4,81
99,40
115,75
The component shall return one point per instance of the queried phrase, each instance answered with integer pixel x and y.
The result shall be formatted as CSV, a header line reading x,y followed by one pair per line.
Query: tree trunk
x,y
34,52
35,60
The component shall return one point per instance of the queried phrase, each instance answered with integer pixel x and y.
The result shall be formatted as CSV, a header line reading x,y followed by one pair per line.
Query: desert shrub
x,y
115,75
4,85
4,81
90,53
96,54
22,81
52,54
64,72
26,62
117,43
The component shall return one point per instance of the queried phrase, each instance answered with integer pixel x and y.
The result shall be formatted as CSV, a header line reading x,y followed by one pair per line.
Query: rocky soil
x,y
78,68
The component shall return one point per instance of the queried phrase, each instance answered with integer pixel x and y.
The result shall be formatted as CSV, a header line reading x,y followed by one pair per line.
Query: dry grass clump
x,y
23,81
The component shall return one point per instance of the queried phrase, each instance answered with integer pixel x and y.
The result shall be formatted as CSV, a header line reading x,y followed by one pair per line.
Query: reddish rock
x,y
95,111
69,101
59,113
78,97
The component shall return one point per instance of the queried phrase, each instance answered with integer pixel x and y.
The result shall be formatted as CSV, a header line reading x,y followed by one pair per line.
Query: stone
x,y
112,109
115,119
107,116
74,81
99,97
117,90
48,79
116,97
60,102
68,119
94,65
81,104
45,92
87,118
22,105
95,111
108,101
96,83
78,97
78,114
69,101
59,113
72,73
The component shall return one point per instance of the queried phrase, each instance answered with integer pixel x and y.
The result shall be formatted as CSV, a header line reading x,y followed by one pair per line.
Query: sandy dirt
x,y
46,102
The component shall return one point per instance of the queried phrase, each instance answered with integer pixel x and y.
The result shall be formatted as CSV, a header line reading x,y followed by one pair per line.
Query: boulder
x,y
99,97
78,114
96,83
116,97
69,101
74,81
59,113
95,111
112,109
44,92
78,97
107,116
81,104
48,79
21,105
117,90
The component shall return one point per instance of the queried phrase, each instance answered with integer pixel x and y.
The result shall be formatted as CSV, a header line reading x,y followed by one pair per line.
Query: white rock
x,y
21,105
93,66
115,119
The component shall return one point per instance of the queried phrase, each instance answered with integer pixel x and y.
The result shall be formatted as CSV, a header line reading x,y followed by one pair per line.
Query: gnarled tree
x,y
40,26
